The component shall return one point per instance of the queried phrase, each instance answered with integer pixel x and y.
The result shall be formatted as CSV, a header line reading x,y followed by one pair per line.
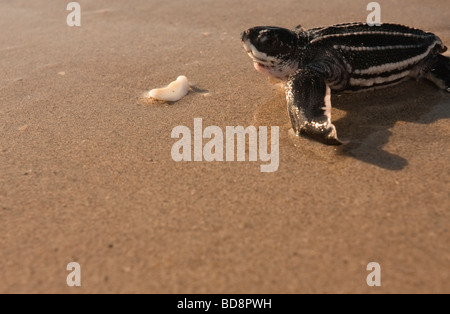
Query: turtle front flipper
x,y
439,73
309,105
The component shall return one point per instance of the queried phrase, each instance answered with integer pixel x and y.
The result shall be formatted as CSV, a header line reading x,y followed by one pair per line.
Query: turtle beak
x,y
245,36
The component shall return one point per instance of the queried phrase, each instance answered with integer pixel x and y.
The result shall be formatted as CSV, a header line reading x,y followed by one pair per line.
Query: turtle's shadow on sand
x,y
370,116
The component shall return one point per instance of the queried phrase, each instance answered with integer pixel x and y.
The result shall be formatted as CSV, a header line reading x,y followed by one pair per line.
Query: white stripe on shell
x,y
377,48
388,67
318,29
370,33
373,88
378,80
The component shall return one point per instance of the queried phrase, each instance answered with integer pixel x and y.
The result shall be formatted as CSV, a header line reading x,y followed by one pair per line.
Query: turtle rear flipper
x,y
309,106
440,72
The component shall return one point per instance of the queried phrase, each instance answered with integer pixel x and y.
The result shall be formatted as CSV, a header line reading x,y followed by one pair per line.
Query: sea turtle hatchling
x,y
345,57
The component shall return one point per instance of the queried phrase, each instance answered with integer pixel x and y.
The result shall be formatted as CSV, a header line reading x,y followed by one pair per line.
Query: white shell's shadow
x,y
198,90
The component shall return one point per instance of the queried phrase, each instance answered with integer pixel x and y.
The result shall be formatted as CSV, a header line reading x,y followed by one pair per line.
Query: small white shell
x,y
173,92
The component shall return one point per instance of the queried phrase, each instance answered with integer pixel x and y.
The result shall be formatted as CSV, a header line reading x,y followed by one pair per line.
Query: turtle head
x,y
273,50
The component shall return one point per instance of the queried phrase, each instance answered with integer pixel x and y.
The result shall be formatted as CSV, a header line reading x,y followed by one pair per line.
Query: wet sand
x,y
86,173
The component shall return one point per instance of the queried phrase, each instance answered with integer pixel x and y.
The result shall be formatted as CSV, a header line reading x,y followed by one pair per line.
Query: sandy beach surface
x,y
86,173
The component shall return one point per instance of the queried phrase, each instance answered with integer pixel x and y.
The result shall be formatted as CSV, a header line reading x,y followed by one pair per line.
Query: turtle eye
x,y
268,42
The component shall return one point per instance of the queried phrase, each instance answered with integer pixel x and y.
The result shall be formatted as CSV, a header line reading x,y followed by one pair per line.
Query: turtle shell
x,y
377,56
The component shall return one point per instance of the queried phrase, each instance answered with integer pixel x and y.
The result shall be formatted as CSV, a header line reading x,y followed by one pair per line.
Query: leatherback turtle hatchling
x,y
344,57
